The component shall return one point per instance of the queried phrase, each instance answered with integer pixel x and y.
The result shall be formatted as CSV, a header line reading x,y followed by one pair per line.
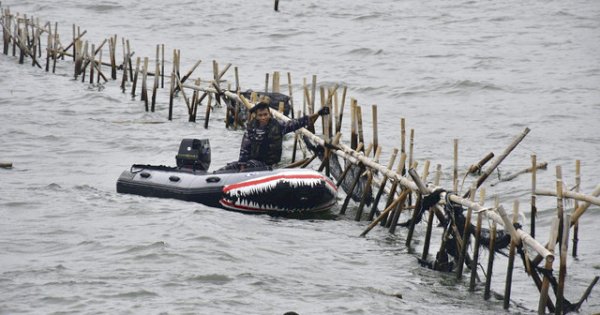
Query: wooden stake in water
x,y
533,196
511,259
135,77
144,86
353,135
359,123
490,267
290,94
375,136
113,58
475,259
544,299
338,126
576,205
455,167
162,65
562,273
466,237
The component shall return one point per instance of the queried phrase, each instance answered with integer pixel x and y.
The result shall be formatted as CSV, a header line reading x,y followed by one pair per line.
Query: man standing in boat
x,y
263,140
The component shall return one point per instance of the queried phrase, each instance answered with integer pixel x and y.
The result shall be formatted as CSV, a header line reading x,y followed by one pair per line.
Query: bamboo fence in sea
x,y
407,193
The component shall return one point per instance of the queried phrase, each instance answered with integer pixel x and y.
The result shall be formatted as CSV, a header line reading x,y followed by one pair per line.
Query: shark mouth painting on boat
x,y
304,190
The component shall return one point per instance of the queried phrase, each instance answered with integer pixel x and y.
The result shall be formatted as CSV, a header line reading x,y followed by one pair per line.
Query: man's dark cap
x,y
260,105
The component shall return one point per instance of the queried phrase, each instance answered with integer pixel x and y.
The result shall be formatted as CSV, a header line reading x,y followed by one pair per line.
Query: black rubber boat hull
x,y
277,192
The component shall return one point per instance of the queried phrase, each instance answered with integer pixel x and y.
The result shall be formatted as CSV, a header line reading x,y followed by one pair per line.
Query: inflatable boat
x,y
285,192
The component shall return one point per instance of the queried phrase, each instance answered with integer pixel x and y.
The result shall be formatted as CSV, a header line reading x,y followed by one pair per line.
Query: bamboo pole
x,y
466,237
488,171
576,205
540,166
544,299
162,66
490,267
562,273
99,66
511,258
575,216
290,94
207,114
431,211
353,133
455,167
569,194
359,122
155,85
475,259
113,61
423,191
338,126
533,201
401,199
583,207
124,76
85,58
266,83
55,41
367,193
135,77
49,48
144,86
92,63
311,108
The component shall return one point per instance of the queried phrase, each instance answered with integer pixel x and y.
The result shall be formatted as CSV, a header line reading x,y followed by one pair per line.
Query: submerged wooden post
x,y
490,267
511,259
544,299
455,167
466,236
135,76
208,109
54,51
113,61
475,259
425,253
92,63
533,196
353,133
124,76
576,205
562,273
340,115
162,66
144,86
155,85
290,94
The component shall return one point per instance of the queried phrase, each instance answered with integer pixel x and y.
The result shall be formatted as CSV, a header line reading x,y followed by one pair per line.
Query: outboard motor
x,y
194,154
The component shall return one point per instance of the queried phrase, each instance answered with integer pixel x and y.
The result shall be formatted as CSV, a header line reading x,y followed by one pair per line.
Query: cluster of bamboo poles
x,y
26,37
404,187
